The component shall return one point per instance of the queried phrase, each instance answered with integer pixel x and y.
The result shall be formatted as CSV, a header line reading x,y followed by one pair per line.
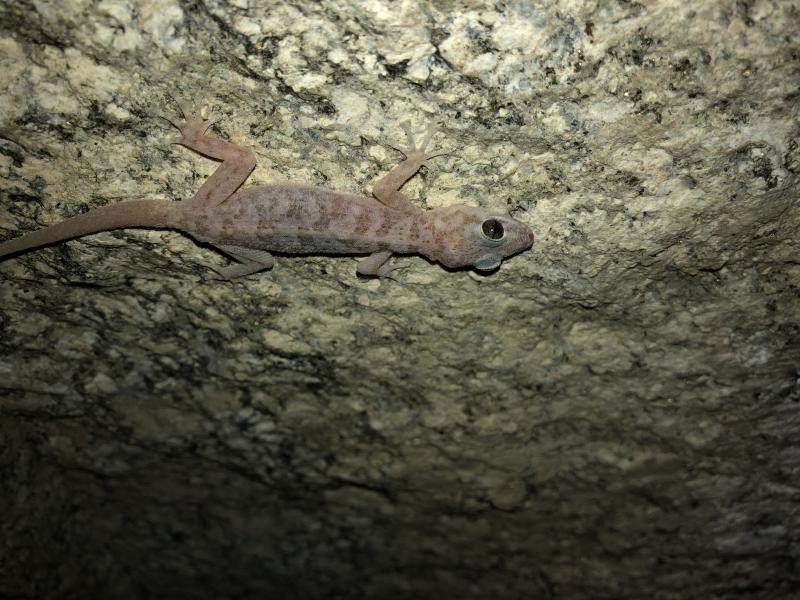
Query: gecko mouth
x,y
488,262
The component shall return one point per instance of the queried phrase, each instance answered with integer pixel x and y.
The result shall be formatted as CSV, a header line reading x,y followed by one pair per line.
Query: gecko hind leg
x,y
237,161
251,261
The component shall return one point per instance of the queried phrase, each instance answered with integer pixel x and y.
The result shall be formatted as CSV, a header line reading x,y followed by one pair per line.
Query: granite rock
x,y
613,414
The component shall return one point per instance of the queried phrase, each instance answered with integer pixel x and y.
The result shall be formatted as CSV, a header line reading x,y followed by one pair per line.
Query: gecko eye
x,y
492,229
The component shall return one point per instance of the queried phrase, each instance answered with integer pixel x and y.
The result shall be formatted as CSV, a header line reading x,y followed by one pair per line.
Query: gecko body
x,y
305,220
249,224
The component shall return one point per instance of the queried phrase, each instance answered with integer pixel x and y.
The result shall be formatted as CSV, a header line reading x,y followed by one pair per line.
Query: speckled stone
x,y
613,414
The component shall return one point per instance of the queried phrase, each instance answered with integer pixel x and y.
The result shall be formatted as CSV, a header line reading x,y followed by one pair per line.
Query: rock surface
x,y
614,414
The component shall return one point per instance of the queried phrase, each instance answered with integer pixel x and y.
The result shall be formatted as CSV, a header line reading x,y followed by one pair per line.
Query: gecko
x,y
249,224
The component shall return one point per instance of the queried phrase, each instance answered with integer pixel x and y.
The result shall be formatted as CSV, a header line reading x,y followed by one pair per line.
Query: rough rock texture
x,y
614,414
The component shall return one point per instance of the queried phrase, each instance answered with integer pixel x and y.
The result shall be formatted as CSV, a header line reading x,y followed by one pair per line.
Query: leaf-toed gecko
x,y
247,224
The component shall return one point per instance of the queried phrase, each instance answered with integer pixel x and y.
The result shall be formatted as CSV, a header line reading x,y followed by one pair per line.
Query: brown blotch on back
x,y
386,226
295,209
323,223
363,221
413,231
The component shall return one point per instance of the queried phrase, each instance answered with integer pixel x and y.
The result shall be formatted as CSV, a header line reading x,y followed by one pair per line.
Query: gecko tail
x,y
153,214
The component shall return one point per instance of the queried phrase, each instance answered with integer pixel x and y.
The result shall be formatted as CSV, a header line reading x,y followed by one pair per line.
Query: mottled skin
x,y
248,224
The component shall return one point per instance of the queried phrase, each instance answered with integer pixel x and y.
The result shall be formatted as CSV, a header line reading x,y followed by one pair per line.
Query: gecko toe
x,y
427,139
175,121
411,147
212,118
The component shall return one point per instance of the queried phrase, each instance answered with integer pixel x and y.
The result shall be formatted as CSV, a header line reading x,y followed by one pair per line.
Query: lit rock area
x,y
614,414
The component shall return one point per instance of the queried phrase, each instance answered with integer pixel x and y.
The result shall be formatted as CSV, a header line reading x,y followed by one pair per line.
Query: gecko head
x,y
466,236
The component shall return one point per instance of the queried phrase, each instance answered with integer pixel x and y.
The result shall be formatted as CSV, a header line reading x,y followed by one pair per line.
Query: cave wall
x,y
612,414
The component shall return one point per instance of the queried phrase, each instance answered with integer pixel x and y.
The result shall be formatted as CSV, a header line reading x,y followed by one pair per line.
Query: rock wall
x,y
613,414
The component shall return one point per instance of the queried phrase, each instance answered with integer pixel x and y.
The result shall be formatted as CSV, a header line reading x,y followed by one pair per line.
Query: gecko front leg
x,y
377,265
387,188
237,162
387,191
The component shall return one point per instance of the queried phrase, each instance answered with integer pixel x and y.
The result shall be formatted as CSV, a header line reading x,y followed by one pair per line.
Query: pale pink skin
x,y
248,224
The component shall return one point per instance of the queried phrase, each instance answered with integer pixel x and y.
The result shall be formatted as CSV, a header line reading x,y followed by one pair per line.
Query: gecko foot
x,y
250,260
418,153
386,271
191,123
